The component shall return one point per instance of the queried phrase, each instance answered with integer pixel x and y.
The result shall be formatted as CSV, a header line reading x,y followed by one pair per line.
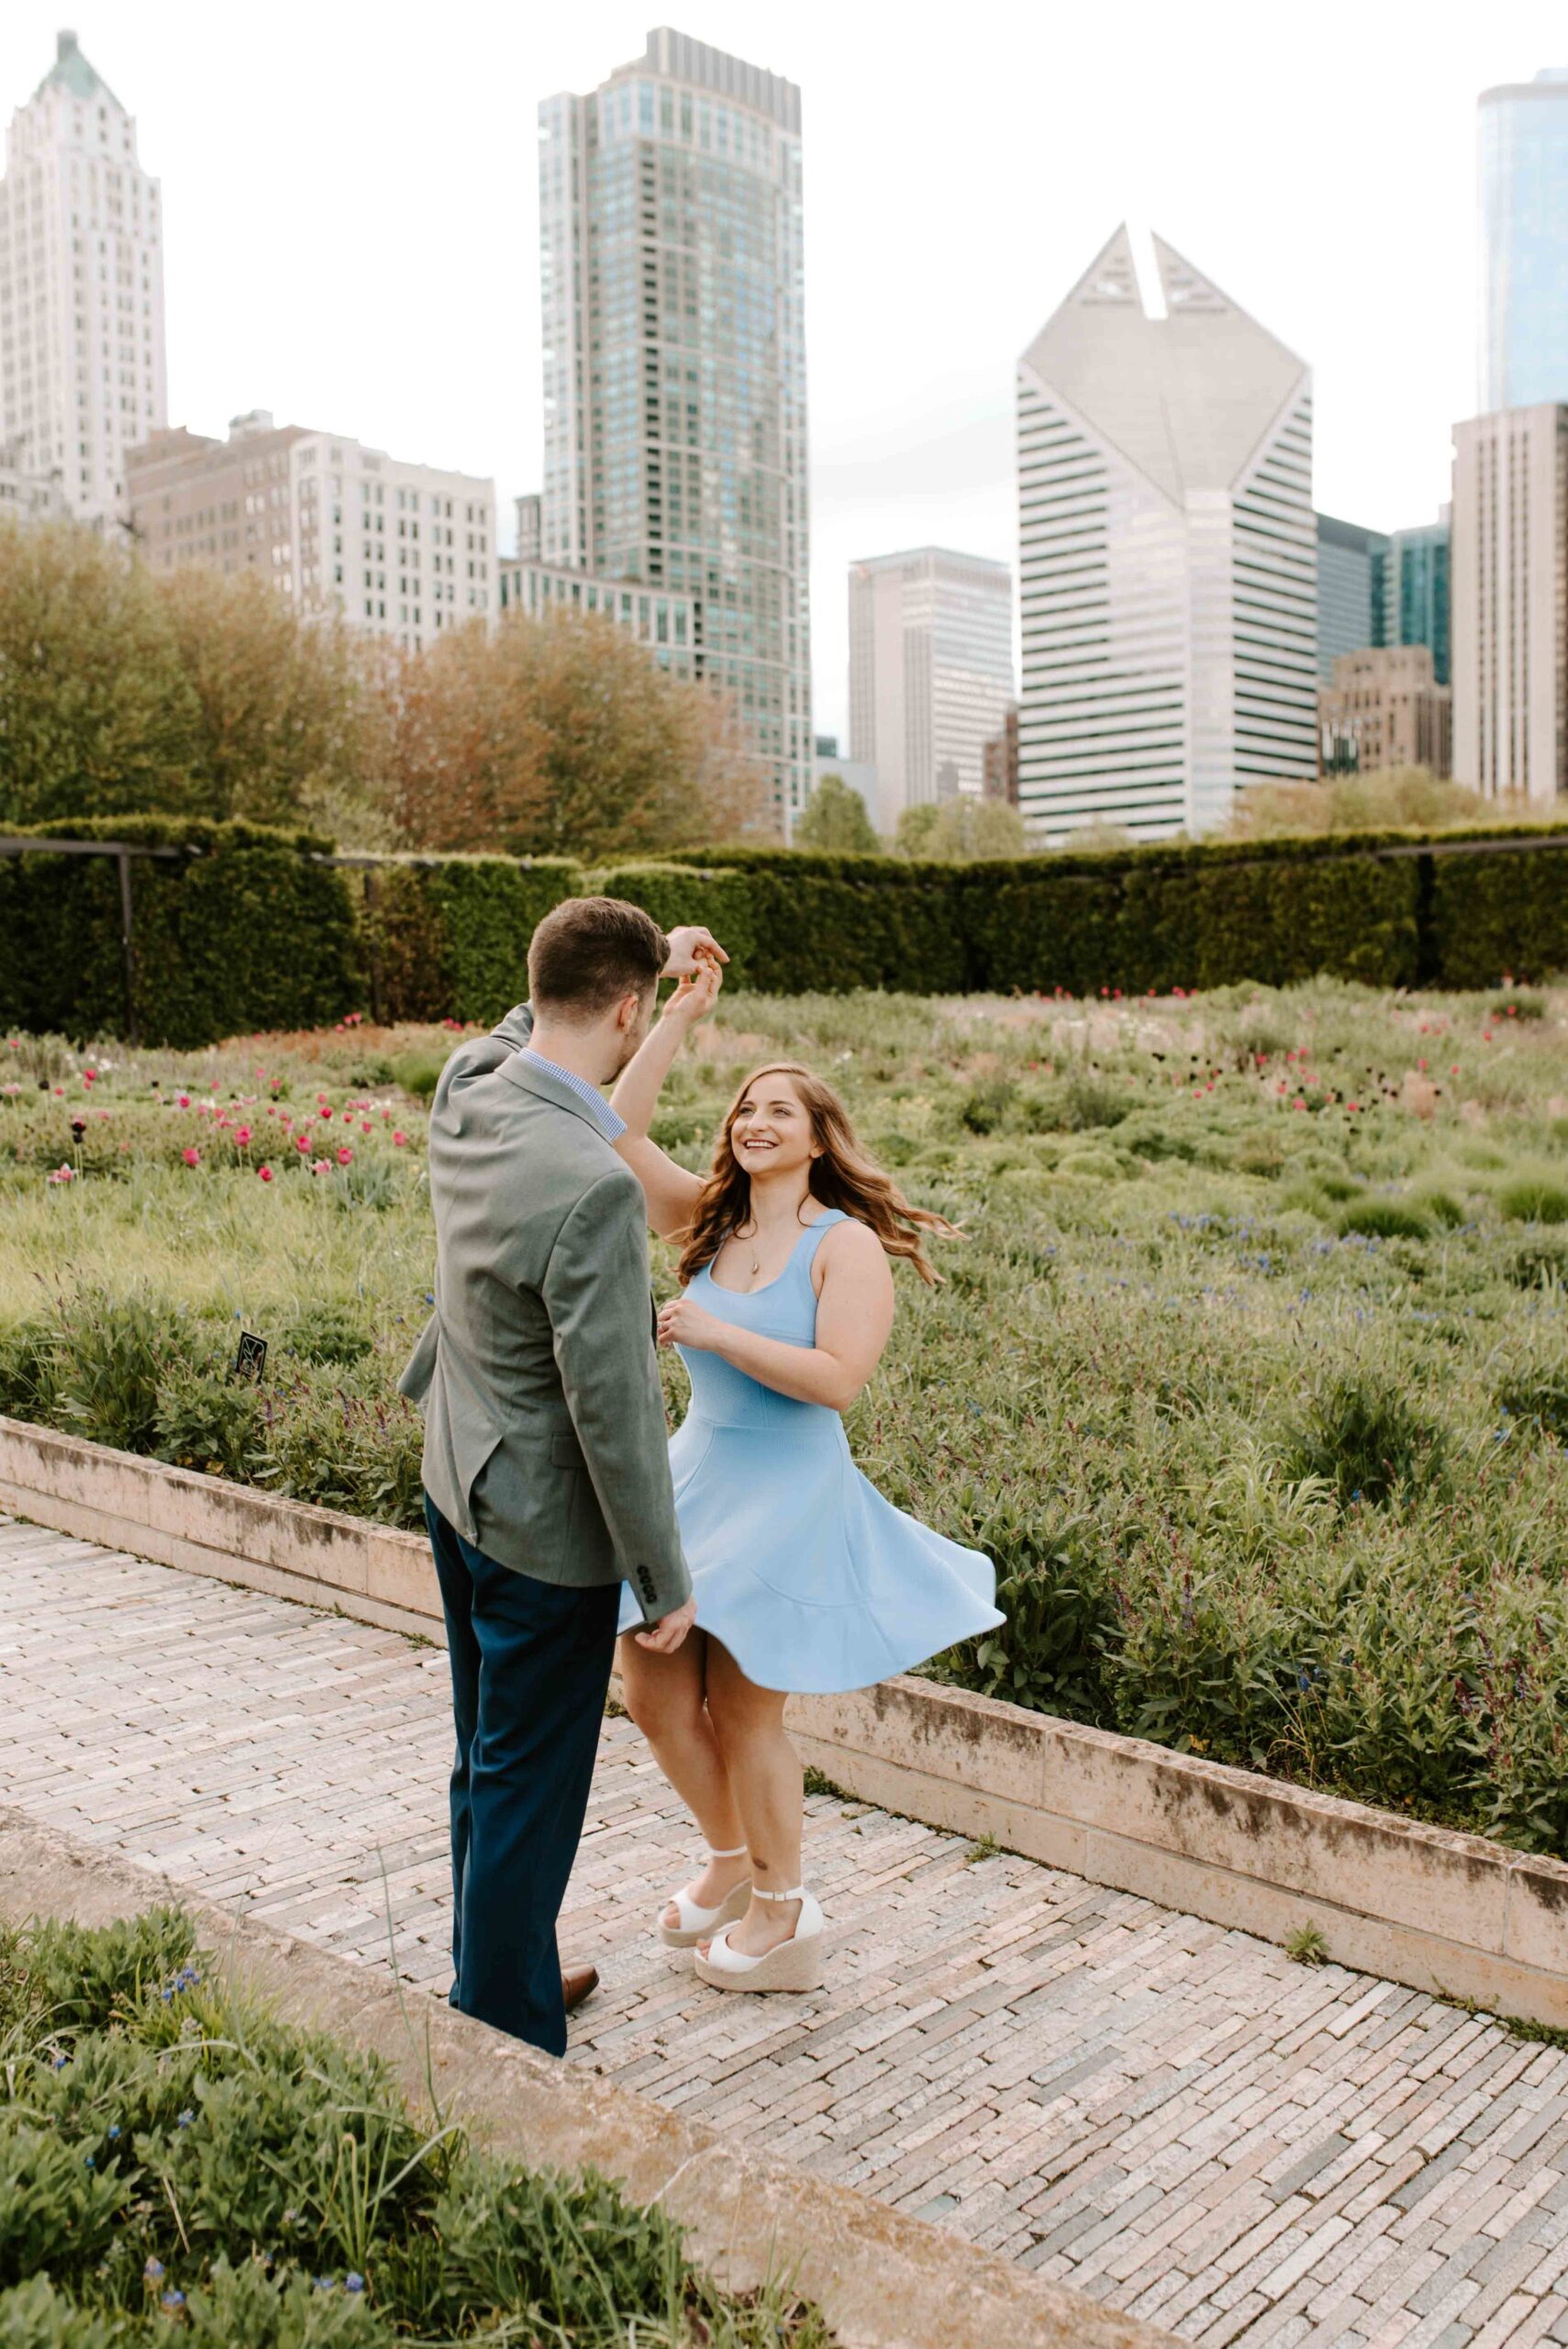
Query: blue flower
x,y
153,2270
186,2118
114,2131
91,2164
173,2300
352,2283
324,2283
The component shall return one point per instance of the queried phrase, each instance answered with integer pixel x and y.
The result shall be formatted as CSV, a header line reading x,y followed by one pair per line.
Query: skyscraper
x,y
674,366
1510,603
82,362
931,671
1416,592
1351,587
1168,557
1524,242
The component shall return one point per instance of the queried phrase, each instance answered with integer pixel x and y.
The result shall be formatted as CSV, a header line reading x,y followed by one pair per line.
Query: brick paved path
x,y
1167,2115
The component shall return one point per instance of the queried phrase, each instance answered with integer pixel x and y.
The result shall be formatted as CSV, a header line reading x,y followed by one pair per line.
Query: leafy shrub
x,y
28,1389
111,1354
1534,1198
418,1073
1382,1220
1442,1205
986,1106
1519,1007
326,1331
170,2161
207,1418
1362,1437
447,936
1076,1103
1538,1264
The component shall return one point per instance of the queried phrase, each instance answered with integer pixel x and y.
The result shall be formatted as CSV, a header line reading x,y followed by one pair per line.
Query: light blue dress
x,y
811,1580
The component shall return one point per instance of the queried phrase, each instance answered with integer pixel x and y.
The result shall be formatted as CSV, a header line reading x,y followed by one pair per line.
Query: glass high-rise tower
x,y
674,366
1524,243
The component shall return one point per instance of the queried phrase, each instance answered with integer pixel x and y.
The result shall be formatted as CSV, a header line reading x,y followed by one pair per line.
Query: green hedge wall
x,y
243,931
447,938
1502,912
1206,916
847,921
674,894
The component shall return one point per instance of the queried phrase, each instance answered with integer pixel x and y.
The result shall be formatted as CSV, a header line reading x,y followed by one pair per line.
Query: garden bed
x,y
1250,1372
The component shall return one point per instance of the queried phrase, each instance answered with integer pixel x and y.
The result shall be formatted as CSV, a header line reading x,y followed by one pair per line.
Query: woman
x,y
805,1577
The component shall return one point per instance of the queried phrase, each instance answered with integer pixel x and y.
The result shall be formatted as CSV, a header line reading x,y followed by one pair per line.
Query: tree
x,y
961,831
834,821
97,716
288,707
561,736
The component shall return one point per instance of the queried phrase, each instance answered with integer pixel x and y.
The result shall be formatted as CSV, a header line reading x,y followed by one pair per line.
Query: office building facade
x,y
1416,593
664,624
1384,707
1524,243
392,549
1510,603
83,372
1168,556
1351,589
930,670
671,269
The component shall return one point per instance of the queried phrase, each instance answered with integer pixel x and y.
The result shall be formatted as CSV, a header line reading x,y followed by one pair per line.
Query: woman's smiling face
x,y
770,1132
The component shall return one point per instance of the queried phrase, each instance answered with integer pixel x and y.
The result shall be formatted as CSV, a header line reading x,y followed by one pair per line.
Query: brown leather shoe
x,y
577,1983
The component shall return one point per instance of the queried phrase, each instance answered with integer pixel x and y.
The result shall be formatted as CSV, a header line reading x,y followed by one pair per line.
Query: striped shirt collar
x,y
611,1123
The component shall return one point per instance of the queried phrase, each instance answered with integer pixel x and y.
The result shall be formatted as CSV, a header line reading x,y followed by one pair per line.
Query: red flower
x,y
302,1141
184,1100
344,1156
265,1173
398,1139
89,1076
242,1135
192,1157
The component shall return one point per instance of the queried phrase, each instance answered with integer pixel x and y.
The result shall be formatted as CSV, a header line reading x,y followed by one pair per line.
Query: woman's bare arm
x,y
854,1321
671,1193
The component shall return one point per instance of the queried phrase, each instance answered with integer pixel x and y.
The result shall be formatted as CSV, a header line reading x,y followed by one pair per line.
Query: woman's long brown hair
x,y
843,1176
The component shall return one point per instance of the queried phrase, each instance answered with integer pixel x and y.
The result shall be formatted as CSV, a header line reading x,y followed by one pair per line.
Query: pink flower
x,y
321,1166
242,1135
89,1076
326,1113
364,1124
61,1175
184,1100
192,1157
344,1156
265,1173
302,1141
398,1139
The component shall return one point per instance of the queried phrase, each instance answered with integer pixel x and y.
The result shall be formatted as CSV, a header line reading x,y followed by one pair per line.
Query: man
x,y
546,1468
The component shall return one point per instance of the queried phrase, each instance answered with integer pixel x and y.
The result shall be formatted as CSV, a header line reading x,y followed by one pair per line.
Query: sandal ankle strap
x,y
758,1894
736,1853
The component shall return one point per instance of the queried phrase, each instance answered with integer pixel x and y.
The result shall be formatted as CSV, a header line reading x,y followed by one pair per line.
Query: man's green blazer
x,y
545,1440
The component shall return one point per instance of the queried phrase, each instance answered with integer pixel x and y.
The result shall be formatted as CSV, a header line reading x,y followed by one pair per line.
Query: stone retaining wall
x,y
1441,1911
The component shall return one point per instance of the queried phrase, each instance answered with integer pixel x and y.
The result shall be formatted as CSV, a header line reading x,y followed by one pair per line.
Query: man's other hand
x,y
689,945
666,1636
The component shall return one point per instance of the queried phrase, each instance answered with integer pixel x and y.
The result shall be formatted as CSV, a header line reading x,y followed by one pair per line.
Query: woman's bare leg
x,y
665,1697
764,1776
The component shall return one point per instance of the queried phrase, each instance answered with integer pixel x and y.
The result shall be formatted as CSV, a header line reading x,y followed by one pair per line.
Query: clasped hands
x,y
696,960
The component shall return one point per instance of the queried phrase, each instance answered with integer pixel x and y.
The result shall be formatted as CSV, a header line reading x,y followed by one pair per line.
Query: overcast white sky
x,y
352,219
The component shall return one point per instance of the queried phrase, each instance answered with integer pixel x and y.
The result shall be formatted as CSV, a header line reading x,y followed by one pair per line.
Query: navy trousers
x,y
531,1666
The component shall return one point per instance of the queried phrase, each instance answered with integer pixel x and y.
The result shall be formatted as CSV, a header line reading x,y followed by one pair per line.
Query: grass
x,y
175,2164
1251,1370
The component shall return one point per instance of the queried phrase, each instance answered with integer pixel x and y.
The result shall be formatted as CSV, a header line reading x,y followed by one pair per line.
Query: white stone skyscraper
x,y
1167,555
930,672
674,366
1510,603
82,362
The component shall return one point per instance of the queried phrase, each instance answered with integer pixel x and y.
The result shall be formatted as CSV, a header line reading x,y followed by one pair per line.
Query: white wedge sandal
x,y
795,1964
699,1924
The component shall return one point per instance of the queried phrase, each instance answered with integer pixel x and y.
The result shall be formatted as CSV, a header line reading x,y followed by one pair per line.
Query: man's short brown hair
x,y
590,951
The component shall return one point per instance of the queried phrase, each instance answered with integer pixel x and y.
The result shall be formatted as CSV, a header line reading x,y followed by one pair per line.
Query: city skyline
x,y
356,297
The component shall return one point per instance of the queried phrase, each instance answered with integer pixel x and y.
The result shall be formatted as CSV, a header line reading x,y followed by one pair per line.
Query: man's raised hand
x,y
690,945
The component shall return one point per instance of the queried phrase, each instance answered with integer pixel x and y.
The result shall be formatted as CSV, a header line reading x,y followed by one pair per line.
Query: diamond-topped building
x,y
671,276
1167,555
